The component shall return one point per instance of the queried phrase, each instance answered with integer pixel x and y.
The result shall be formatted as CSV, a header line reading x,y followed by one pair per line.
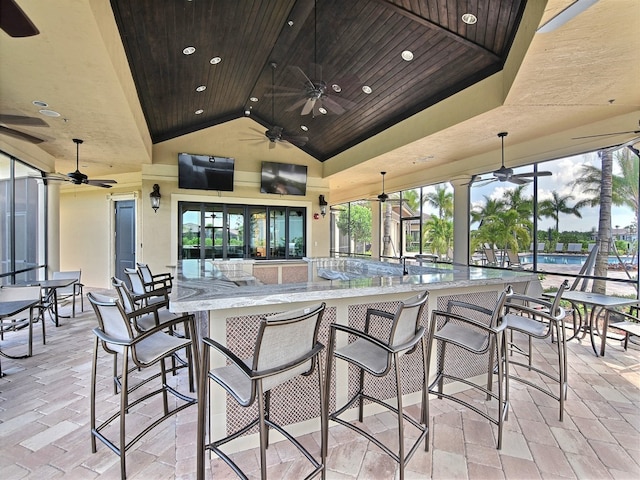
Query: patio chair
x,y
514,259
286,348
71,292
626,322
149,349
153,282
24,319
143,294
574,248
387,336
478,331
535,318
559,247
144,318
490,257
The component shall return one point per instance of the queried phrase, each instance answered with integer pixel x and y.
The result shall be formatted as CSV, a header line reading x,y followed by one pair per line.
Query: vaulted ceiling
x,y
115,72
319,55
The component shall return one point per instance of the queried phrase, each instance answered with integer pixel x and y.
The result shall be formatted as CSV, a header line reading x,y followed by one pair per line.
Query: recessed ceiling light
x,y
290,23
215,60
189,50
469,18
322,110
38,103
201,88
253,99
336,88
199,112
49,113
407,55
304,127
366,89
247,112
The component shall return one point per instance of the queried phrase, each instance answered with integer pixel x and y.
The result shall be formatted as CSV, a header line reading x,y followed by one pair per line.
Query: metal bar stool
x,y
376,357
286,348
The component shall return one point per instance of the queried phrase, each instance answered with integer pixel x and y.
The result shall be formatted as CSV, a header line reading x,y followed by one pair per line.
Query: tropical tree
x,y
356,222
489,208
557,204
624,186
442,200
508,230
412,199
515,198
438,234
606,189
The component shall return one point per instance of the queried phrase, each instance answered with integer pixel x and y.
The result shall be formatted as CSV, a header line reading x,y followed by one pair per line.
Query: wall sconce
x,y
155,197
323,205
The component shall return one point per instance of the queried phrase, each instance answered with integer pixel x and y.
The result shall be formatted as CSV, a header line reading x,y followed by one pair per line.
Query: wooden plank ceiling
x,y
329,42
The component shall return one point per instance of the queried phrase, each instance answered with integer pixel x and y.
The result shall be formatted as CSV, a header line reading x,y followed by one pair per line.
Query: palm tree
x,y
490,208
606,189
515,198
442,200
438,234
624,186
557,204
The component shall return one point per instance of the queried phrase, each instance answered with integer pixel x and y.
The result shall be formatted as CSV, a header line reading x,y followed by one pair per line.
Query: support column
x,y
461,219
53,227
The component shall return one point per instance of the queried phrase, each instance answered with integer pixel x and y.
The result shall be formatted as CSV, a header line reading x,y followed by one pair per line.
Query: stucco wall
x,y
86,213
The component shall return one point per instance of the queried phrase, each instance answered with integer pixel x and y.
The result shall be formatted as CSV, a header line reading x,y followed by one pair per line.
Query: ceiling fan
x,y
383,197
14,21
316,99
276,133
21,121
505,174
77,177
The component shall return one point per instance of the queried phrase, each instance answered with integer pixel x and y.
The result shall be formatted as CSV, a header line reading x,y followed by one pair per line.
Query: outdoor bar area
x,y
230,302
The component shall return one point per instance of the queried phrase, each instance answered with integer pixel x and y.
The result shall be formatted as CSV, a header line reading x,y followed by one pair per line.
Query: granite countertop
x,y
210,287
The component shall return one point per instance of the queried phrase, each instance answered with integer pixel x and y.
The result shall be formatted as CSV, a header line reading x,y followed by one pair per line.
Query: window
x,y
552,222
220,231
23,225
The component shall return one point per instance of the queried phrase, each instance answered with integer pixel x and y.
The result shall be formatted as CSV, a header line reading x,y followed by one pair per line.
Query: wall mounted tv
x,y
283,178
205,172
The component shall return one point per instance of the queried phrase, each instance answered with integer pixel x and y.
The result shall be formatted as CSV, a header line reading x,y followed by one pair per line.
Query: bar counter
x,y
214,285
230,298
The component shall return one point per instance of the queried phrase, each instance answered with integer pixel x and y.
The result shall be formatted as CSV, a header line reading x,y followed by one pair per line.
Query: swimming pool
x,y
560,259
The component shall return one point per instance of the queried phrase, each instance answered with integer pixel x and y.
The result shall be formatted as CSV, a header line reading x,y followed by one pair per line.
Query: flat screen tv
x,y
205,172
283,178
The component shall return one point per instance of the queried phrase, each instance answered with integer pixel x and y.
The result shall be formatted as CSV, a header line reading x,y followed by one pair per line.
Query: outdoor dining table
x,y
8,309
598,302
49,290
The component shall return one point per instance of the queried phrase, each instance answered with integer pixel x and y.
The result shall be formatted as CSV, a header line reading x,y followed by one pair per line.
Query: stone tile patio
x,y
44,430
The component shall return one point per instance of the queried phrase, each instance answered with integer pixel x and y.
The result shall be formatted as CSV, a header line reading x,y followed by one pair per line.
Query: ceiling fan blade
x,y
98,183
531,175
340,102
308,106
484,181
272,145
22,120
14,21
20,135
296,105
301,75
519,180
333,106
102,181
606,134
